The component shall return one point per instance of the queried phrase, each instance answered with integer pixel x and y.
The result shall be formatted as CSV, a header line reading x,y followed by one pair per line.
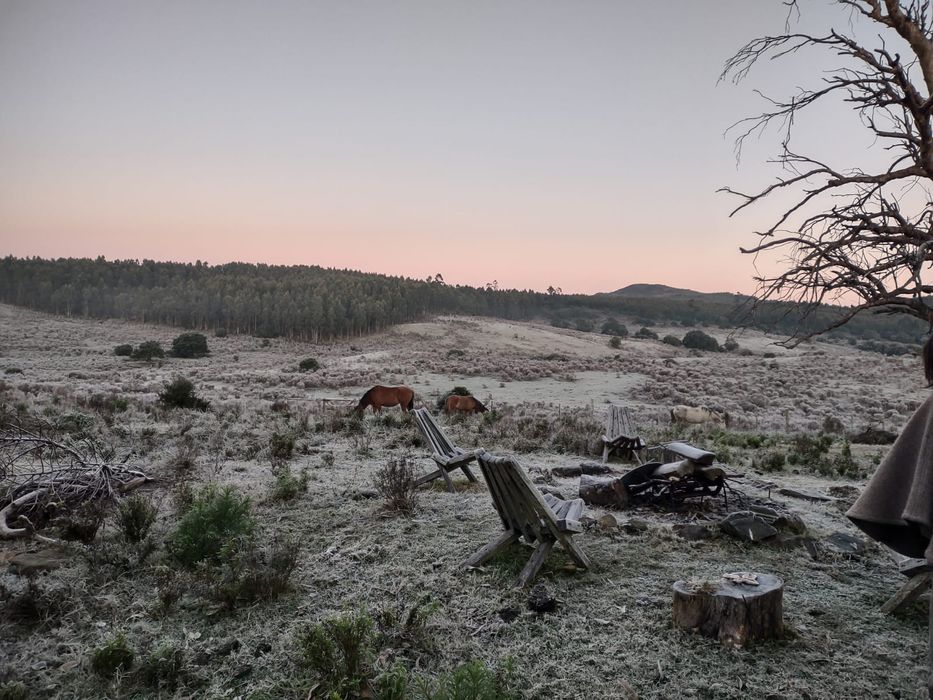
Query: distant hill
x,y
653,291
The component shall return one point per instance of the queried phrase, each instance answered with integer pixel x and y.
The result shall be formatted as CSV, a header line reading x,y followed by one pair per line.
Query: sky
x,y
575,144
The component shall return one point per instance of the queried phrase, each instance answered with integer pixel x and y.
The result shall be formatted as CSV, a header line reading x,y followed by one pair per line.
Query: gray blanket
x,y
896,508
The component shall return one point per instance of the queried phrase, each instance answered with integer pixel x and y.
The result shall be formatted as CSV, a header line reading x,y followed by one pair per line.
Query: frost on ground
x,y
612,633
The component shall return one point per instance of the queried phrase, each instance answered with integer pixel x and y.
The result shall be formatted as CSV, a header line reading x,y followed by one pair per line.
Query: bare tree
x,y
862,238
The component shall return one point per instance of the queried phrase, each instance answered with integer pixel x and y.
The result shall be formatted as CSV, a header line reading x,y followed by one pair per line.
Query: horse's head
x,y
480,408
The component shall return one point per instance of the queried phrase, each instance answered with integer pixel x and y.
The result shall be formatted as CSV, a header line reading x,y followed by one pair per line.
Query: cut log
x,y
734,612
604,492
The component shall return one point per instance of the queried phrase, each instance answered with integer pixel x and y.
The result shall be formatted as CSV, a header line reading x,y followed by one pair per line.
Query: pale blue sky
x,y
570,143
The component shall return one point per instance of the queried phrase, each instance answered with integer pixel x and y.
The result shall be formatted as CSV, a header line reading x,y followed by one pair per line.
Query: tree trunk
x,y
735,613
604,492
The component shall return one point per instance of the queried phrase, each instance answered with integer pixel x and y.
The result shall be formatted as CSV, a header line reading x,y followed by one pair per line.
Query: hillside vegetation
x,y
314,303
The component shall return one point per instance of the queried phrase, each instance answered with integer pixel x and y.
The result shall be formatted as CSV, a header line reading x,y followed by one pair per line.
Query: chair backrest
x,y
620,422
433,434
520,505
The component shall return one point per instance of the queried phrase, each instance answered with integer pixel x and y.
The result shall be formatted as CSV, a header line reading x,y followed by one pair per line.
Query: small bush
x,y
773,461
135,517
215,518
247,573
148,351
615,342
831,424
613,327
287,486
472,681
339,652
114,656
163,667
309,364
731,345
698,340
180,393
190,345
672,340
14,690
396,483
125,350
281,448
646,333
83,522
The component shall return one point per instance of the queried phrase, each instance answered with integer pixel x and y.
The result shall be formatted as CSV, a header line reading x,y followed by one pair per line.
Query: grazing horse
x,y
381,396
465,404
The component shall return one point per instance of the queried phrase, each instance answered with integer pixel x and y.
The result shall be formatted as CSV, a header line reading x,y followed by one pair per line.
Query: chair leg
x,y
575,552
469,474
490,550
534,563
605,452
908,592
448,480
427,477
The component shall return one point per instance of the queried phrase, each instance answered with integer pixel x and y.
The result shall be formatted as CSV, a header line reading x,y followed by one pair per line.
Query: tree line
x,y
318,304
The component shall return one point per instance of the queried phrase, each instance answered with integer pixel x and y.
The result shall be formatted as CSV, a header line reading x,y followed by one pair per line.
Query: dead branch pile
x,y
43,469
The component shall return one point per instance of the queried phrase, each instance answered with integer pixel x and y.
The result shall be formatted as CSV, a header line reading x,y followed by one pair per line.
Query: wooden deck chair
x,y
542,520
447,455
621,435
920,576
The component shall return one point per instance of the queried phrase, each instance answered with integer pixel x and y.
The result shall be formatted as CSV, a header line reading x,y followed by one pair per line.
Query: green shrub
x,y
215,517
698,340
584,324
309,364
772,461
124,350
163,667
672,340
646,333
148,351
472,681
287,486
114,656
247,573
339,652
190,345
135,517
615,342
108,404
613,327
731,345
281,448
180,393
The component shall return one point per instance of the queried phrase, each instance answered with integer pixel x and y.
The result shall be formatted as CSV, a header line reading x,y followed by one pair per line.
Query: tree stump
x,y
731,610
598,491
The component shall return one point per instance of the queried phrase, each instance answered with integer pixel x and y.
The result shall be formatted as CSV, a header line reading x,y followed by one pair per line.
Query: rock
x,y
262,648
693,531
607,522
845,544
634,526
33,562
805,494
782,520
540,601
746,525
509,613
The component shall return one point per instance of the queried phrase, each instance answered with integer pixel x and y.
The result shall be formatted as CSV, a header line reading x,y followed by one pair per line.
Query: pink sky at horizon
x,y
533,145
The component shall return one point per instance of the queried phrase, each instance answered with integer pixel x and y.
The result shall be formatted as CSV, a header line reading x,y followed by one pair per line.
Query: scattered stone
x,y
634,526
693,531
805,494
509,613
262,648
845,544
33,562
540,601
782,520
747,526
607,522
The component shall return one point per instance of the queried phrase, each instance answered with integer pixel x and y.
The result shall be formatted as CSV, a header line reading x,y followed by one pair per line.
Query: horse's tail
x,y
411,402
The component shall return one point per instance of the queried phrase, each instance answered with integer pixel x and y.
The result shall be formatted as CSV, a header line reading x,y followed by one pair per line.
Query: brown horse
x,y
465,404
381,396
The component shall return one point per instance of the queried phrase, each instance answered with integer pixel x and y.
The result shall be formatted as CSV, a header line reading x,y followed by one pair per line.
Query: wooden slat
x,y
491,549
534,564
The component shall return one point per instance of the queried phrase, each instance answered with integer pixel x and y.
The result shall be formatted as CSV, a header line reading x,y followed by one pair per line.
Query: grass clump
x,y
162,668
215,517
123,350
180,393
135,516
114,656
309,364
148,351
248,573
472,681
281,448
13,690
396,483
